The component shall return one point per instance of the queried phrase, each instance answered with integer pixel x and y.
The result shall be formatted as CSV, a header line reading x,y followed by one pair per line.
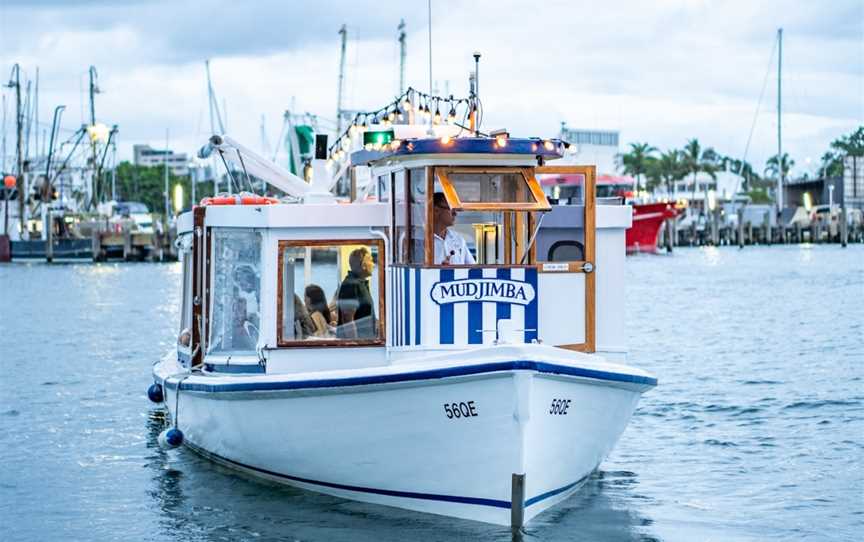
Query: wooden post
x,y
715,227
670,234
96,245
517,501
127,244
766,228
49,235
844,230
741,227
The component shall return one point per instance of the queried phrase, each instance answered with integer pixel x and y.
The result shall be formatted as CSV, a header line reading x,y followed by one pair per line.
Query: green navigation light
x,y
377,137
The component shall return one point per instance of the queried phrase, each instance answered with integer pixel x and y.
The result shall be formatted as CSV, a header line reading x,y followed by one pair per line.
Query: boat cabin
x,y
454,246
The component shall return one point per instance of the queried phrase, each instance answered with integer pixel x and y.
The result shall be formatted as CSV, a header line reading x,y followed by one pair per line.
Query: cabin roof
x,y
549,149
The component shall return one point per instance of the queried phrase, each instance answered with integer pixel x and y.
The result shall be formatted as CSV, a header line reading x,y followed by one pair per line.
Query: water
x,y
756,431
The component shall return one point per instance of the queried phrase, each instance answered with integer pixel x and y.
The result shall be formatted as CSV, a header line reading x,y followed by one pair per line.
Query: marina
x,y
741,445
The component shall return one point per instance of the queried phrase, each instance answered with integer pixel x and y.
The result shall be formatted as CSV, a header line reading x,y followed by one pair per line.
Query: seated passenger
x,y
316,304
303,325
450,247
354,305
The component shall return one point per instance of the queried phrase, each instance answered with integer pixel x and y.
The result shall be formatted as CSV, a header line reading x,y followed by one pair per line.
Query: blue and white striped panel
x,y
469,319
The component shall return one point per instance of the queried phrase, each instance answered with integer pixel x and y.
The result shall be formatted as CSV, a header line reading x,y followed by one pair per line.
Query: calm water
x,y
756,431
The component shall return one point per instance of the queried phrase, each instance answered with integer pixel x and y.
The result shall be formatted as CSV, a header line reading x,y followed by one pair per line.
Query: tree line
x,y
653,169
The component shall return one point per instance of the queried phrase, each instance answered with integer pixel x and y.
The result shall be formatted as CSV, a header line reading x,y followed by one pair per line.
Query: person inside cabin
x,y
450,247
304,326
185,338
354,306
316,305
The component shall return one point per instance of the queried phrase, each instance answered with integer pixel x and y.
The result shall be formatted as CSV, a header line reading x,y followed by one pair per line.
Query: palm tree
x,y
637,161
772,169
698,160
668,168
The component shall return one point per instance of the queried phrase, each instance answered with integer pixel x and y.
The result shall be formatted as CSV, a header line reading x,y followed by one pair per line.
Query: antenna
x,y
429,4
401,29
343,33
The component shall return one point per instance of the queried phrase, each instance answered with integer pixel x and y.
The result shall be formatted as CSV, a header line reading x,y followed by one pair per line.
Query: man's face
x,y
367,265
444,215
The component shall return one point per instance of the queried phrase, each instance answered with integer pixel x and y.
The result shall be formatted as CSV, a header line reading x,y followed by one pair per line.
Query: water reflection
x,y
198,499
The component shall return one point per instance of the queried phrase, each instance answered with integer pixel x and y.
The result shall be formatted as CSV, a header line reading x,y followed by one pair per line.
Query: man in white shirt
x,y
450,247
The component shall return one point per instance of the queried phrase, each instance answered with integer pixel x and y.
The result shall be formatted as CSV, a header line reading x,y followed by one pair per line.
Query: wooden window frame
x,y
381,338
541,202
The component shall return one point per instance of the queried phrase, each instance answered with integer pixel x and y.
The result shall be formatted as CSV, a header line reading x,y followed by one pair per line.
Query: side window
x,y
330,293
184,336
236,291
417,215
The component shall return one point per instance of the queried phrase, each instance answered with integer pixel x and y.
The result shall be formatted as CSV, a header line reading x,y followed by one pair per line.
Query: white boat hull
x,y
385,435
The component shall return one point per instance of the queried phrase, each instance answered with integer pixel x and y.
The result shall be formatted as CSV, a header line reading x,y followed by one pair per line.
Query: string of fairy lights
x,y
430,108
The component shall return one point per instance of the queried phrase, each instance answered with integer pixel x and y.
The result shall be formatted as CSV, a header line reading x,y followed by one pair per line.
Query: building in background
x,y
145,155
598,147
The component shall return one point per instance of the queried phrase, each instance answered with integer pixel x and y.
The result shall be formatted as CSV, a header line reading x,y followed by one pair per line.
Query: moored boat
x,y
453,346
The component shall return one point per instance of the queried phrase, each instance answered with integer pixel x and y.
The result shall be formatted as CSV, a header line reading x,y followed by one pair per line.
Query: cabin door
x,y
565,250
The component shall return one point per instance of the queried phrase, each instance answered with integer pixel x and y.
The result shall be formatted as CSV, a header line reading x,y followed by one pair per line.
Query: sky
x,y
660,72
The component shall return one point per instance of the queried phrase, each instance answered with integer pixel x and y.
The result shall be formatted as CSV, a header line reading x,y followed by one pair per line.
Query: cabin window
x,y
384,188
331,293
236,318
492,188
417,215
184,335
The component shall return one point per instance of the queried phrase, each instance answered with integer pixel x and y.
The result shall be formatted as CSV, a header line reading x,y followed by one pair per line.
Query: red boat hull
x,y
648,218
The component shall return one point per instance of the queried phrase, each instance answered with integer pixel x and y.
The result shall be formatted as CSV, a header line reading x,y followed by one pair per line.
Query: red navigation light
x,y
9,181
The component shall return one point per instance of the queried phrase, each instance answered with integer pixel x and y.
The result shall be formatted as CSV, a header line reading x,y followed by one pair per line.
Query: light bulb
x,y
501,140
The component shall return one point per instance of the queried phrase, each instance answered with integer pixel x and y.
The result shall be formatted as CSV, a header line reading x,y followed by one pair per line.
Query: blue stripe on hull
x,y
479,501
430,374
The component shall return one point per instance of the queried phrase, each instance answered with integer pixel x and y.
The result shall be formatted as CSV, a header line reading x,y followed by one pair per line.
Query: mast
x,y
165,162
343,33
402,51
214,116
93,90
779,126
15,82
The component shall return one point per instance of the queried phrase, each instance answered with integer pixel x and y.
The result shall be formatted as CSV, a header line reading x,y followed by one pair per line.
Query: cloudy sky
x,y
659,71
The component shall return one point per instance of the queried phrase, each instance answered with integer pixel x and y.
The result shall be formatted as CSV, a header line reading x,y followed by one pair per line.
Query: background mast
x,y
343,33
779,125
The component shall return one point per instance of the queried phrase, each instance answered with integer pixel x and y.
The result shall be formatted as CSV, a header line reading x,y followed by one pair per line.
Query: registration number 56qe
x,y
559,407
463,409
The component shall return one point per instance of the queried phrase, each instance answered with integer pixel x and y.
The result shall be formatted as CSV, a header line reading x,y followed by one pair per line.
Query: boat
x,y
648,217
323,346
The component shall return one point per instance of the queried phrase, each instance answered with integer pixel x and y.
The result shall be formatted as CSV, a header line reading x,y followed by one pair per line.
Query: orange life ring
x,y
240,199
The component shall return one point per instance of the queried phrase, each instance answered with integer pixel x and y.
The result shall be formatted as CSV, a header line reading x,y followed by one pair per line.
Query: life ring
x,y
240,199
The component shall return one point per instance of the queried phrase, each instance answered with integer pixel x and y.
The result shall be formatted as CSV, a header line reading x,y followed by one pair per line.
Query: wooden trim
x,y
532,223
455,202
453,199
590,228
429,227
196,343
590,256
281,341
536,189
